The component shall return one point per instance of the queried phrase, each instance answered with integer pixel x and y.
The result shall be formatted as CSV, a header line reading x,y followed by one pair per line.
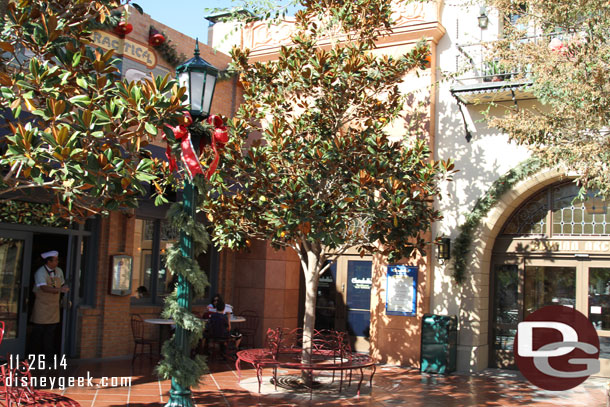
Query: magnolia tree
x,y
567,63
75,130
79,133
322,174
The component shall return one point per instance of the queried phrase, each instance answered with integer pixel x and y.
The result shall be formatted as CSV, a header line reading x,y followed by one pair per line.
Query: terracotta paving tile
x,y
142,398
393,386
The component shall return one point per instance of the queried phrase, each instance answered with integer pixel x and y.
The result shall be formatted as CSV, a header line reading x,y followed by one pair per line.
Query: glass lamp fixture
x,y
443,251
483,19
199,78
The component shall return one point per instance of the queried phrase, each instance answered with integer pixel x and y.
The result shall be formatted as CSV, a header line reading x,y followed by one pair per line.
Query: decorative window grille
x,y
567,214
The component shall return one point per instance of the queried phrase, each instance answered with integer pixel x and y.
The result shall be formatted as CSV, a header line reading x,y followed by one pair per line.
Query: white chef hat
x,y
52,253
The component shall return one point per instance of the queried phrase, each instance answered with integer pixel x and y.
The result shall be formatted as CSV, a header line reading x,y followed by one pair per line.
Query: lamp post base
x,y
179,397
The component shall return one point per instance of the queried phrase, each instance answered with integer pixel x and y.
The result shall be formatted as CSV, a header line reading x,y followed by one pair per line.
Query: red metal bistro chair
x,y
15,393
20,392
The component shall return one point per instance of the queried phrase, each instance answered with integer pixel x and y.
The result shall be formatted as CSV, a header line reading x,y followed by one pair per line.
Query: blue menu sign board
x,y
401,292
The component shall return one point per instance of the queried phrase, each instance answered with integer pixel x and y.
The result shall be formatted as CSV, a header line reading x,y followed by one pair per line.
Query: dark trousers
x,y
43,338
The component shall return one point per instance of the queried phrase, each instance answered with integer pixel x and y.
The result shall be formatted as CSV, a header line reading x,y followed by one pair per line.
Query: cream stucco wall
x,y
480,162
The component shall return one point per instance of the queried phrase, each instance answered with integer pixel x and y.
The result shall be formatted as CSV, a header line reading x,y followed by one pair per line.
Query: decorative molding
x,y
412,22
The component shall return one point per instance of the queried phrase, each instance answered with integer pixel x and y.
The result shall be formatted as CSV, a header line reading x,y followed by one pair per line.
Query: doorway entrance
x,y
20,249
41,243
553,250
15,249
344,299
525,286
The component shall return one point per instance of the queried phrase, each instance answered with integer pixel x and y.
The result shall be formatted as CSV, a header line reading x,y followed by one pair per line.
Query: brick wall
x,y
105,329
228,93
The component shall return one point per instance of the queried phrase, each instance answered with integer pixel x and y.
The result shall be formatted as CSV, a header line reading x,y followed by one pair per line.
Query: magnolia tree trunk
x,y
310,261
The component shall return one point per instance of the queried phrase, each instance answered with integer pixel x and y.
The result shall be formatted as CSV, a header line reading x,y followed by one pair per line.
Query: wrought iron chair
x,y
217,339
137,330
248,328
19,389
4,392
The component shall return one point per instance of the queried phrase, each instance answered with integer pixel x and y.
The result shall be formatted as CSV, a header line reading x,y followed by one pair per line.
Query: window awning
x,y
491,92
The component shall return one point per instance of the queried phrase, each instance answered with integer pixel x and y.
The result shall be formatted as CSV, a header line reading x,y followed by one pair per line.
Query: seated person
x,y
217,327
141,292
228,311
213,302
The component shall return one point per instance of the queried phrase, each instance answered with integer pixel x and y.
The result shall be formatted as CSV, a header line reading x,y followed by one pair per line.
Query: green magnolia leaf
x,y
82,82
151,128
84,144
81,100
76,60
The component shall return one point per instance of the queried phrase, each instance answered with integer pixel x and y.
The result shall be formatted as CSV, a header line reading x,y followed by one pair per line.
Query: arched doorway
x,y
554,249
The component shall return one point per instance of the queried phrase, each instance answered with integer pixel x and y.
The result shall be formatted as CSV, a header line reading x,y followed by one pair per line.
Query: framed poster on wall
x,y
120,278
401,290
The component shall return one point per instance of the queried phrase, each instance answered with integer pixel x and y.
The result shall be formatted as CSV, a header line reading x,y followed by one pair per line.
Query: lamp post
x,y
199,78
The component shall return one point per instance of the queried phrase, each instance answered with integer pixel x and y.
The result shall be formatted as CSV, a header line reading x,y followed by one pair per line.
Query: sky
x,y
186,16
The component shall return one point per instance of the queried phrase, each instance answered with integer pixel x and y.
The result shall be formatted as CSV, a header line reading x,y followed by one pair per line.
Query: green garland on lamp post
x,y
195,75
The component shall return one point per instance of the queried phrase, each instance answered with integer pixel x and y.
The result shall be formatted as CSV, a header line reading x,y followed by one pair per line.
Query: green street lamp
x,y
199,78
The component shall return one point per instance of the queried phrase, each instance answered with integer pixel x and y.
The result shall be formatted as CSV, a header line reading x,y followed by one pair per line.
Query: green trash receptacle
x,y
438,343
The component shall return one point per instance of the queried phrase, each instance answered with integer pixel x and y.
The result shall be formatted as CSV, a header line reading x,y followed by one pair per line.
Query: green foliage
x,y
28,213
568,65
76,130
325,174
185,371
169,53
461,245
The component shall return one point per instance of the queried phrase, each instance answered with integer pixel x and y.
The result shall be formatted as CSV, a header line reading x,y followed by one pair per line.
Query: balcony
x,y
481,79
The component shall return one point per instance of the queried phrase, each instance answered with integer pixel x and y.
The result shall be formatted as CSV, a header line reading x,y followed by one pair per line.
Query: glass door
x,y
549,285
356,286
15,264
326,301
597,281
520,289
508,311
524,287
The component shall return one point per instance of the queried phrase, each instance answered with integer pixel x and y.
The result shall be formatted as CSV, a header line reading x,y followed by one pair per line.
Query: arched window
x,y
567,214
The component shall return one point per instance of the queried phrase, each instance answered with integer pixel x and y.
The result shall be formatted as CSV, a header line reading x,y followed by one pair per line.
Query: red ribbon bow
x,y
220,137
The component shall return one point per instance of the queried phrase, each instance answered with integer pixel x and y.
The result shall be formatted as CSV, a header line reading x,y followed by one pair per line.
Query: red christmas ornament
x,y
180,132
156,40
187,120
221,135
215,121
123,28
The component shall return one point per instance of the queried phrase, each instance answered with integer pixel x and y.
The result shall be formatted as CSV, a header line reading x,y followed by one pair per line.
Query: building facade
x,y
534,245
95,320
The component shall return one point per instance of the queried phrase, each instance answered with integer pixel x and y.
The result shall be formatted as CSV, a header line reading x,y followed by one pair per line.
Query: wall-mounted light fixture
x,y
444,249
483,19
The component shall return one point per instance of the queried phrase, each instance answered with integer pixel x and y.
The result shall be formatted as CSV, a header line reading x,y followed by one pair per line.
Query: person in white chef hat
x,y
49,283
